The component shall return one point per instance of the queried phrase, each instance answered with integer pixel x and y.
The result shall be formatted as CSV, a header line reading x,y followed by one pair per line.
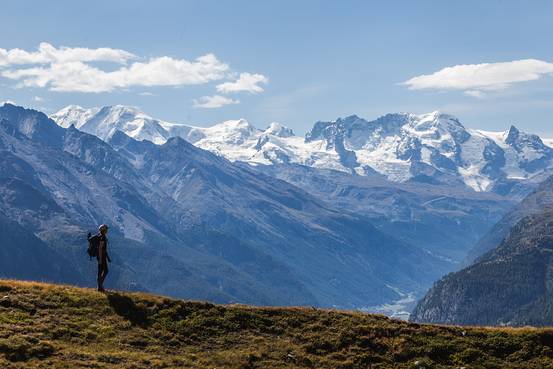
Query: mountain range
x,y
431,148
356,214
440,184
188,223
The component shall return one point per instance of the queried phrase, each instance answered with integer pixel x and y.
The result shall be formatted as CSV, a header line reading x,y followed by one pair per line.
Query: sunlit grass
x,y
43,325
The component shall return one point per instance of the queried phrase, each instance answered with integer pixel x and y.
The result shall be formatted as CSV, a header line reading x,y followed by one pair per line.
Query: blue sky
x,y
305,60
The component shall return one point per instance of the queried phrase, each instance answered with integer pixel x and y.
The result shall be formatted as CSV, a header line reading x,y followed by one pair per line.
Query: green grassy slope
x,y
44,326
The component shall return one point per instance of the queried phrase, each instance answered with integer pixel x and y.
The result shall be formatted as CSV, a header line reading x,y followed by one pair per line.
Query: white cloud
x,y
146,93
246,82
212,102
78,76
475,93
38,99
66,69
474,79
47,53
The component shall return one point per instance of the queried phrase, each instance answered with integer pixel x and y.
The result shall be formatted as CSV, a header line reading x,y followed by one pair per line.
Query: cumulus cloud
x,y
213,102
246,82
67,69
77,76
476,79
47,53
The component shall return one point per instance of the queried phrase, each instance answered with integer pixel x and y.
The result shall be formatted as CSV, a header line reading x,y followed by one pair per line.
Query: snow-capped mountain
x,y
433,147
103,122
203,227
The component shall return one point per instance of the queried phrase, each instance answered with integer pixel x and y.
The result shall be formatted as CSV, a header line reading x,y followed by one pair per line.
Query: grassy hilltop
x,y
53,326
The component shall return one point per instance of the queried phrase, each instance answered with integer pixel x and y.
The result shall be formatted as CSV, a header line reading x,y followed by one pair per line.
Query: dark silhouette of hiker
x,y
103,257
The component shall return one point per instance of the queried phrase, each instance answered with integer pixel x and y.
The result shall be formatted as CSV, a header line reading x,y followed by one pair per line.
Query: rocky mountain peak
x,y
512,135
535,155
33,124
333,130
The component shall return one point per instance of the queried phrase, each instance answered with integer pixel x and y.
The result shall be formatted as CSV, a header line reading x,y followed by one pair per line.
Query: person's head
x,y
103,229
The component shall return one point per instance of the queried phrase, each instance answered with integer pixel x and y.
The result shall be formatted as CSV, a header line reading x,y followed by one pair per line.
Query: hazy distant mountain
x,y
534,203
431,148
444,220
511,284
189,223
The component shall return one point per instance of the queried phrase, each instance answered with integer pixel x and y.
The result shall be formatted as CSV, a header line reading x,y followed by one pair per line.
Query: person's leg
x,y
102,273
100,280
106,271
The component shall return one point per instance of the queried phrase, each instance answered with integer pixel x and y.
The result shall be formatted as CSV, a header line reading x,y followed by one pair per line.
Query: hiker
x,y
98,247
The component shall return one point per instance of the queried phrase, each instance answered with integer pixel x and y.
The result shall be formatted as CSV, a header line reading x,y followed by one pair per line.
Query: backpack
x,y
93,245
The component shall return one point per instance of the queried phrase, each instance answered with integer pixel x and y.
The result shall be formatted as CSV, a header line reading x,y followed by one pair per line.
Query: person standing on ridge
x,y
103,257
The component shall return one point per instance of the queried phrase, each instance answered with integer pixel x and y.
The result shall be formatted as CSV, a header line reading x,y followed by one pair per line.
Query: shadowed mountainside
x,y
540,199
510,285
